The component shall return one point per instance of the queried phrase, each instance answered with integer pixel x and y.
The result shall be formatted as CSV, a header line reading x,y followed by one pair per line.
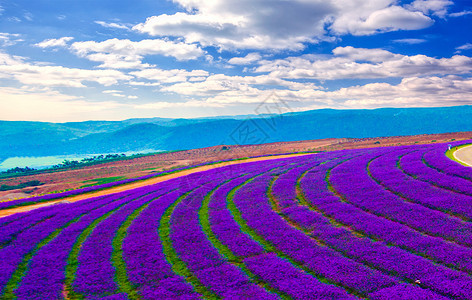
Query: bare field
x,y
76,178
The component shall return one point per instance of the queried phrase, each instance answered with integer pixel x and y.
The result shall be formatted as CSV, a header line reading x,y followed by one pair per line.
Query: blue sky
x,y
112,60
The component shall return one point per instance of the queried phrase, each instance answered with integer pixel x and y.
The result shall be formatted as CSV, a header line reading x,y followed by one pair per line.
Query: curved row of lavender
x,y
382,223
54,196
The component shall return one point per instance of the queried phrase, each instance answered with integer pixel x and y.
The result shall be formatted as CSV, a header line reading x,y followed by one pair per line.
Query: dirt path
x,y
464,155
135,185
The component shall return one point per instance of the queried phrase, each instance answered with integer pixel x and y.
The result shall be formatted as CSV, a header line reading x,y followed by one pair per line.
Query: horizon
x,y
239,117
115,60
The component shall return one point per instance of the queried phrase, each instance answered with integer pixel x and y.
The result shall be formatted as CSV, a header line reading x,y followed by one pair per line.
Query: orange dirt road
x,y
135,185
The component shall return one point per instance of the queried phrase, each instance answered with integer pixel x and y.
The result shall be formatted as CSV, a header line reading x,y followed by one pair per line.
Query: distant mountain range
x,y
21,138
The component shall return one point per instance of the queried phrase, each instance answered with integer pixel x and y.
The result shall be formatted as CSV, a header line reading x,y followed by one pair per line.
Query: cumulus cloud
x,y
14,67
287,25
246,60
435,7
391,18
50,43
349,62
126,54
410,92
252,24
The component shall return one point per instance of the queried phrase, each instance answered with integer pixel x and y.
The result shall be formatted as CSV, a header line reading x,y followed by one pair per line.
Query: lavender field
x,y
381,223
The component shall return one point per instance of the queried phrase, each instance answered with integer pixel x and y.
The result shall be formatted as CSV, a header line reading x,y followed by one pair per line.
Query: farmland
x,y
370,223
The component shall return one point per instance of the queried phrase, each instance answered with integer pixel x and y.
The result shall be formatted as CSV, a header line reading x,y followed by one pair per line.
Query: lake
x,y
41,162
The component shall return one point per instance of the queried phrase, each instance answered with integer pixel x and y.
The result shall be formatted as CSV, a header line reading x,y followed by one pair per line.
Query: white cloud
x,y
281,25
252,24
28,16
349,63
14,19
435,7
246,60
219,84
9,39
114,93
467,46
410,92
118,61
126,54
392,18
49,43
170,76
14,67
410,41
112,25
175,105
460,14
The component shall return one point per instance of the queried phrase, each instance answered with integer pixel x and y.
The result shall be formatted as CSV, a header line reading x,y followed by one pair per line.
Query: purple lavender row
x,y
439,161
44,198
9,231
201,257
413,165
95,276
361,189
281,274
277,272
418,191
46,273
379,226
222,222
22,221
12,255
375,254
150,271
405,292
429,202
146,263
255,208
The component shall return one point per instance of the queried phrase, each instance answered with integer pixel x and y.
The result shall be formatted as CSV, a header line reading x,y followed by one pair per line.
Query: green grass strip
x,y
178,266
204,218
121,276
72,260
103,180
22,268
242,223
450,154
